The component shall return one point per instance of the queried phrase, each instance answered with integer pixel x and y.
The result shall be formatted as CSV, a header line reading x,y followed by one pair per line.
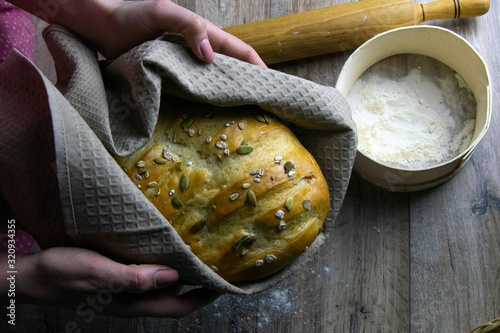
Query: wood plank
x,y
455,230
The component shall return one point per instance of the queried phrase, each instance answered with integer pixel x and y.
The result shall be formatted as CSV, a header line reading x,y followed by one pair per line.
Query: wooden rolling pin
x,y
344,27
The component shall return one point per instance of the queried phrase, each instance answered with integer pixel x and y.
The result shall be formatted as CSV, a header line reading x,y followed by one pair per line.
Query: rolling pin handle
x,y
449,9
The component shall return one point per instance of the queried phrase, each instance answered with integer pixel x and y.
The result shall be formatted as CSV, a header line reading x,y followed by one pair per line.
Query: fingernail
x,y
206,51
165,277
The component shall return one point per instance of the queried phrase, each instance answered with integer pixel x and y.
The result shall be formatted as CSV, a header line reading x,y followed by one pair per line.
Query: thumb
x,y
141,278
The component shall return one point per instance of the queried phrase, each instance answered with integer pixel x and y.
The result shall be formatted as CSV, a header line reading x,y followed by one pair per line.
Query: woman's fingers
x,y
225,43
162,303
81,279
150,18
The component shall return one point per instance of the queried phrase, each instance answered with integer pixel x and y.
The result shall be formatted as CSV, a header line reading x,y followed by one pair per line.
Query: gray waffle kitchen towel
x,y
101,109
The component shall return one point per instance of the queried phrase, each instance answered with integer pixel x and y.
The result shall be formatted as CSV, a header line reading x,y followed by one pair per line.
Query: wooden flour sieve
x,y
344,27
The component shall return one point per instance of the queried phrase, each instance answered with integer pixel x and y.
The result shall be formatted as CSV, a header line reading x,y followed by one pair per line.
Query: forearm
x,y
61,11
115,26
77,15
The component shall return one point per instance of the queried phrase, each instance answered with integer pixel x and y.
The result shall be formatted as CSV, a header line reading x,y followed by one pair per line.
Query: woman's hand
x,y
115,26
133,22
92,284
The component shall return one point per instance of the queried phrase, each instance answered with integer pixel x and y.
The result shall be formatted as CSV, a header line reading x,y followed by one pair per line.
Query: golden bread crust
x,y
238,187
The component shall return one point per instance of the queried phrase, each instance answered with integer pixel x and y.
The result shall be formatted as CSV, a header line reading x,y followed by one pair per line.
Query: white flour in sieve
x,y
414,121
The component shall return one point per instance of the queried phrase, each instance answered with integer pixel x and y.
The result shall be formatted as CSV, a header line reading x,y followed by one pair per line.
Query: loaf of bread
x,y
236,184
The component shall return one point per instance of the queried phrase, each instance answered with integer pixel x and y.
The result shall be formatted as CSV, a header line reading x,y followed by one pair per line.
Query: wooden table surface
x,y
417,262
